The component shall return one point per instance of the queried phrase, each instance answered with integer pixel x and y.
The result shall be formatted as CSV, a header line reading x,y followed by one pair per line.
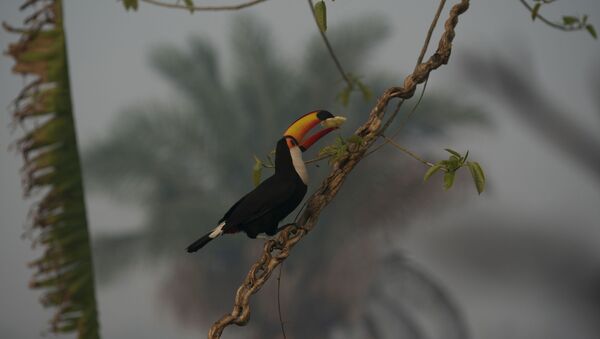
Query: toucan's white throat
x,y
298,163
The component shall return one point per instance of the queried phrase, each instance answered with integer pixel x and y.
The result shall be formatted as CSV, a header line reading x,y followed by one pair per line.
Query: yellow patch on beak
x,y
334,122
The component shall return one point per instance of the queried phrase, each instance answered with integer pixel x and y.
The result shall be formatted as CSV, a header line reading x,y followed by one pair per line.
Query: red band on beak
x,y
313,138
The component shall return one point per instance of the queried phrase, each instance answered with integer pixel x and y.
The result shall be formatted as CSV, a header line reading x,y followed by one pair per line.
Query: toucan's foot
x,y
296,225
268,236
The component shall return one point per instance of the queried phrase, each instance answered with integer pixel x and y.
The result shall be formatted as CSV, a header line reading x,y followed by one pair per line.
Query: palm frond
x,y
52,166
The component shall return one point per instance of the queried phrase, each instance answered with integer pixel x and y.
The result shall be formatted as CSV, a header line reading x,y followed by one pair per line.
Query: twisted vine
x,y
276,250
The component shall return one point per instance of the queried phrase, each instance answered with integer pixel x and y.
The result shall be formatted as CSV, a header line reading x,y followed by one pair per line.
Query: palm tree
x,y
52,170
187,163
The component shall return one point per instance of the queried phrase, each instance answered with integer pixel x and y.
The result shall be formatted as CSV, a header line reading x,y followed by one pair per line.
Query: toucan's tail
x,y
198,244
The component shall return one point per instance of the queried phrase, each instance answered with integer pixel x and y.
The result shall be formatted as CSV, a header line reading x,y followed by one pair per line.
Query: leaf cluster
x,y
577,23
353,82
452,165
340,148
259,165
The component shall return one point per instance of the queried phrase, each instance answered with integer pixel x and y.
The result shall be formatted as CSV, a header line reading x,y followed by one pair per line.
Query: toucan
x,y
261,210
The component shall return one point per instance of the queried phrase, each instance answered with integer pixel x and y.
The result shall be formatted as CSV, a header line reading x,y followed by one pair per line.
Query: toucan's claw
x,y
296,226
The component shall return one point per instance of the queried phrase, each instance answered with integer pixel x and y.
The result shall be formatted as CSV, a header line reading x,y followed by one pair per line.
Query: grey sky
x,y
108,50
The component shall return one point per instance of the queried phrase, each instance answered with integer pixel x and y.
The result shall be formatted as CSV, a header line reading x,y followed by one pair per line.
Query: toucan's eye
x,y
291,141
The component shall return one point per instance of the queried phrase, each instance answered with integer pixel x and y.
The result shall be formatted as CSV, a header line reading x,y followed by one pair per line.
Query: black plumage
x,y
261,210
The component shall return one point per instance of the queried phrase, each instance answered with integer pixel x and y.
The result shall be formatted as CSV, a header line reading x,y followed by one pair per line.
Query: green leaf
x,y
463,159
354,139
570,20
590,28
321,15
327,150
130,4
453,163
449,179
451,151
535,10
190,5
477,174
340,148
431,171
270,159
257,171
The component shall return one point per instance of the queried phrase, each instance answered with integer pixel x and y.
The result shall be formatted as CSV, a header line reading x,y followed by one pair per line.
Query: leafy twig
x,y
279,301
413,155
335,59
570,23
190,7
317,159
544,20
259,165
353,82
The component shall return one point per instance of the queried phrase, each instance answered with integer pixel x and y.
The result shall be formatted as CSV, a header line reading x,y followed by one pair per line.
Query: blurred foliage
x,y
186,163
52,169
354,83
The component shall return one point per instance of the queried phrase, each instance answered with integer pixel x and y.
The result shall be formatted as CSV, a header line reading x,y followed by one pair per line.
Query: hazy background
x,y
520,261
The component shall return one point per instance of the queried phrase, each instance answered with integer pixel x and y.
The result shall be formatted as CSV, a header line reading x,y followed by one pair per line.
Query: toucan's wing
x,y
232,208
235,206
268,196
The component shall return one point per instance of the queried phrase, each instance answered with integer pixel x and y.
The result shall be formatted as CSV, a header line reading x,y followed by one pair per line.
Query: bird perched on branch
x,y
261,210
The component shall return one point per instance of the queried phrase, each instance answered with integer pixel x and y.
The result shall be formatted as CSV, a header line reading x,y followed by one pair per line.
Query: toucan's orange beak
x,y
300,128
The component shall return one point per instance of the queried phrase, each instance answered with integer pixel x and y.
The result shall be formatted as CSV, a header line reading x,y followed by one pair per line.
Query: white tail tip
x,y
217,231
